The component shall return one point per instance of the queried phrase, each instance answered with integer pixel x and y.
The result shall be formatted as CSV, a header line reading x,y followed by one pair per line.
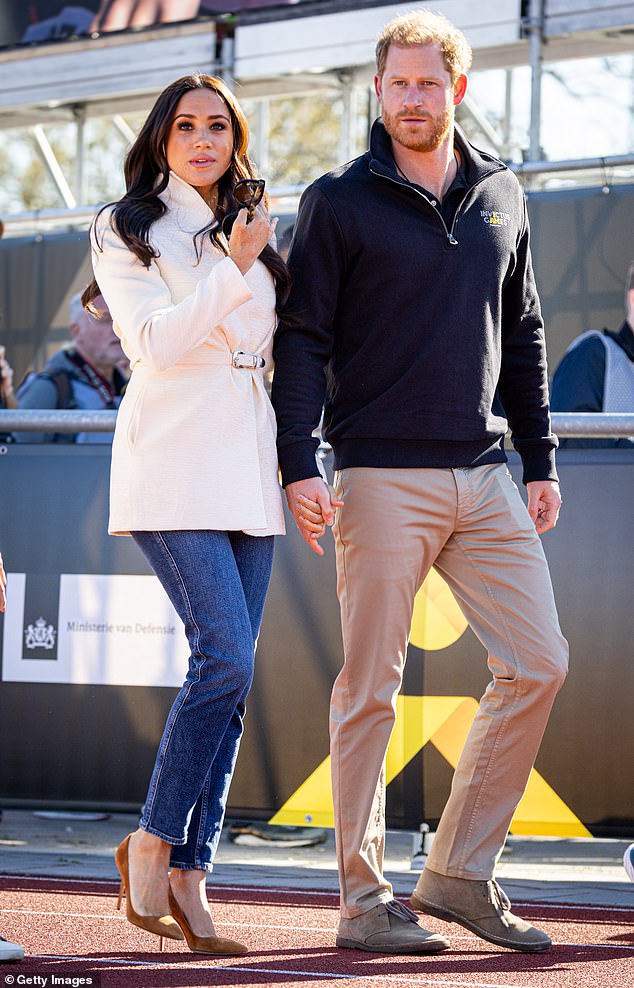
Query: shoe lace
x,y
498,898
399,909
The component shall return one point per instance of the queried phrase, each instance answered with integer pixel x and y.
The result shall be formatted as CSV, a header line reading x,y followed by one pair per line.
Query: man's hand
x,y
544,503
312,503
3,583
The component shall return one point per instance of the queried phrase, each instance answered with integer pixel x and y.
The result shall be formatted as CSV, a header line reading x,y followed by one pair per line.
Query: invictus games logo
x,y
39,635
493,217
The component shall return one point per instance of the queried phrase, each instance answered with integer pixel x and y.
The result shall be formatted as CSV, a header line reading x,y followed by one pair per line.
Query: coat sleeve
x,y
304,340
523,383
151,327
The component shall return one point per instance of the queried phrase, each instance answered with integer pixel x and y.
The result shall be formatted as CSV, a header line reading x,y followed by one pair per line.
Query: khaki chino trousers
x,y
473,527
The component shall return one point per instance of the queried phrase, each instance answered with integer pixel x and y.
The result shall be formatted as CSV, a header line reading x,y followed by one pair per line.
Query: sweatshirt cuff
x,y
298,461
539,463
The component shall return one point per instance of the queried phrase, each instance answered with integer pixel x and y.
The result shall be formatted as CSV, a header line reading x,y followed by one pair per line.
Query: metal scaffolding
x,y
93,67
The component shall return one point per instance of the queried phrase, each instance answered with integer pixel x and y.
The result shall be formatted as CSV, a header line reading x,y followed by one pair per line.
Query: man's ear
x,y
377,87
74,330
459,89
630,306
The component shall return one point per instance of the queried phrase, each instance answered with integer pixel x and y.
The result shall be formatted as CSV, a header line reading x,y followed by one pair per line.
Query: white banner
x,y
109,631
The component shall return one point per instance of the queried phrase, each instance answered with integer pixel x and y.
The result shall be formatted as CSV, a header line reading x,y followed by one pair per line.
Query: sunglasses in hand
x,y
248,193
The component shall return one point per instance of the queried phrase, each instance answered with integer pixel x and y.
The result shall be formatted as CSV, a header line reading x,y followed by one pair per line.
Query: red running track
x,y
70,928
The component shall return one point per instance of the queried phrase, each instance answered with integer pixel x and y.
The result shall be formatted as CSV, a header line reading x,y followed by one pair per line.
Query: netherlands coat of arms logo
x,y
39,635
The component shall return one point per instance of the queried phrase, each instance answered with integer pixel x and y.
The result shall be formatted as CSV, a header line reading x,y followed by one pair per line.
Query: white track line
x,y
194,960
60,878
385,978
322,975
120,917
275,890
303,974
327,931
603,946
41,912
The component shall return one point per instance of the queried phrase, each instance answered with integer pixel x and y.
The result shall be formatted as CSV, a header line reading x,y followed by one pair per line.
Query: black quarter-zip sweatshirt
x,y
423,339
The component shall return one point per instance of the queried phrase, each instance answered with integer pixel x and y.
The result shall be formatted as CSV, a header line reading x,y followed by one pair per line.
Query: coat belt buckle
x,y
252,361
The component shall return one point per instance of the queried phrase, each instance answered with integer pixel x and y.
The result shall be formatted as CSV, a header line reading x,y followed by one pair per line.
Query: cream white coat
x,y
194,444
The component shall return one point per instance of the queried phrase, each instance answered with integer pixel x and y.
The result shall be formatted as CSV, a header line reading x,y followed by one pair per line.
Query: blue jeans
x,y
217,582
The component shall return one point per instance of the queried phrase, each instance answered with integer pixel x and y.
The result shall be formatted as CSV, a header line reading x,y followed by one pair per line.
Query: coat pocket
x,y
135,417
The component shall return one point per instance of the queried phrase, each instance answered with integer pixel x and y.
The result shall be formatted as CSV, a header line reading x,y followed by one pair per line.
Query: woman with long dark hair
x,y
193,285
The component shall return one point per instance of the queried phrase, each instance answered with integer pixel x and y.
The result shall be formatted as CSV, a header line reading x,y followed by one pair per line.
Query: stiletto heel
x,y
204,945
162,926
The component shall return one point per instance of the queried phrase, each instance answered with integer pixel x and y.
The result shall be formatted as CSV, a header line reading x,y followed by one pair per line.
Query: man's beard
x,y
432,137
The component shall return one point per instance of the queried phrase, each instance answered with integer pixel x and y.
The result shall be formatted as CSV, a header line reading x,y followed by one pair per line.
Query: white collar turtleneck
x,y
190,209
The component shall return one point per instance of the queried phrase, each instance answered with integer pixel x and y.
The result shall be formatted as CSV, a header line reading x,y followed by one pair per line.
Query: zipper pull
x,y
452,240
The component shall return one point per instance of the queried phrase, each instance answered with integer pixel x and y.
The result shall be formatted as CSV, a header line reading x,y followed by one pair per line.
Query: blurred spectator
x,y
596,374
91,374
52,20
7,394
117,15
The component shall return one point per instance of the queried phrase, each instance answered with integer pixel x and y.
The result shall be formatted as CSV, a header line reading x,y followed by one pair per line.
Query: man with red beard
x,y
414,316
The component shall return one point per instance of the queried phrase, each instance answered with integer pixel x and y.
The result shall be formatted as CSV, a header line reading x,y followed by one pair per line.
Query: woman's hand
x,y
248,239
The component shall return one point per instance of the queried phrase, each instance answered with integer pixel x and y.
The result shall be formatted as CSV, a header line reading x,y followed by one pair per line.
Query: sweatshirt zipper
x,y
449,233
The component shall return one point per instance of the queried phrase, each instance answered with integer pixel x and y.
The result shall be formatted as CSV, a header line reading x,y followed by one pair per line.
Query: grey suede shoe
x,y
481,907
389,928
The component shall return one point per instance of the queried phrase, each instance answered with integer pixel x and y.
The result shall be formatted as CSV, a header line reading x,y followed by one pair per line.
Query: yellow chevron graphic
x,y
444,721
437,621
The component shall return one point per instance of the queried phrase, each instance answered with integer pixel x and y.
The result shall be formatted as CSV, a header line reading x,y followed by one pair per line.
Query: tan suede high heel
x,y
163,926
204,945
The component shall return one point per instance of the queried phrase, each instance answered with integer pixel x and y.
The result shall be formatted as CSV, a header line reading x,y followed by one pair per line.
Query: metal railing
x,y
591,425
56,420
604,164
607,425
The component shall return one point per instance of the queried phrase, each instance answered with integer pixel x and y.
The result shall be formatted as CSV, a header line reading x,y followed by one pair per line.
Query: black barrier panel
x,y
84,731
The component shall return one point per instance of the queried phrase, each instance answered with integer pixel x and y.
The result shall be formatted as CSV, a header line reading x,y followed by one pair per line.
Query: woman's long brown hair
x,y
147,173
